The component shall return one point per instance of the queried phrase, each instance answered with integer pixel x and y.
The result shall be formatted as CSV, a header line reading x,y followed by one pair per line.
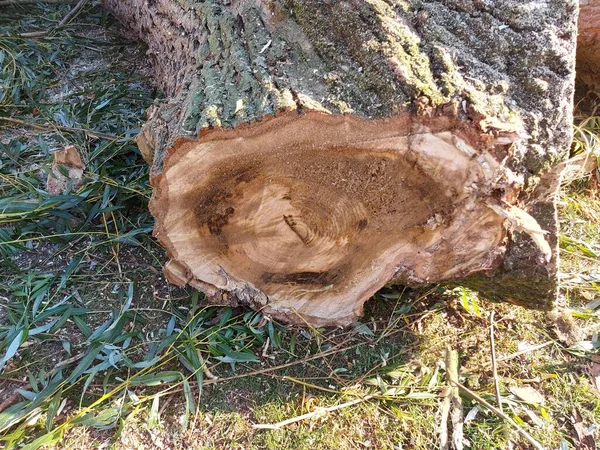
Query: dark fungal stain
x,y
362,224
213,208
212,212
246,175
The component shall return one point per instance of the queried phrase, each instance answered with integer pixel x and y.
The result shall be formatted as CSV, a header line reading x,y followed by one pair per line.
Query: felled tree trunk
x,y
588,44
311,152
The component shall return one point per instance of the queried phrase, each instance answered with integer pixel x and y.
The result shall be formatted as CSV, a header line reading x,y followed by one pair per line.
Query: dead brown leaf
x,y
594,373
583,438
71,173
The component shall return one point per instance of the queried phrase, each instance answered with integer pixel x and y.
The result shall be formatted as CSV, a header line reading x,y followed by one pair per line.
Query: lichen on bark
x,y
225,63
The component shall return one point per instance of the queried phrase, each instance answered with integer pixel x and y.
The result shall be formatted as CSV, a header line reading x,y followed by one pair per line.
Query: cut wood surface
x,y
588,43
311,152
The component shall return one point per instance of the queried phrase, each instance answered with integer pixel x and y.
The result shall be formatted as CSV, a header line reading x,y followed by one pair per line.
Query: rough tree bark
x,y
588,44
310,152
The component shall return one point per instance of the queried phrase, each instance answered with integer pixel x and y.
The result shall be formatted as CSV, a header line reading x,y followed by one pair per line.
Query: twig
x,y
445,413
205,368
13,380
34,2
9,401
72,13
318,412
62,23
175,387
266,348
456,414
500,414
452,405
68,361
332,351
527,350
495,376
308,385
319,355
494,367
519,353
49,127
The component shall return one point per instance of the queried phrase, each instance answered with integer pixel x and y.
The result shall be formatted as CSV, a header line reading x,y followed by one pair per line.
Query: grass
x,y
97,350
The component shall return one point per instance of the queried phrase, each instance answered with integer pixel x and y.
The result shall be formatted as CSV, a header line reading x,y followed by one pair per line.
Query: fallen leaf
x,y
594,372
528,395
534,418
471,415
583,436
67,170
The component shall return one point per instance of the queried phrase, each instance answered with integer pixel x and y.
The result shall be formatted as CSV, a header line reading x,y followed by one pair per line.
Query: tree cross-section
x,y
310,152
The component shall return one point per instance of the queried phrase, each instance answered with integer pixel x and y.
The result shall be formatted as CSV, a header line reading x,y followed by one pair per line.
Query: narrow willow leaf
x,y
237,356
156,379
83,327
53,408
170,326
153,416
84,364
189,404
13,348
27,394
42,328
46,440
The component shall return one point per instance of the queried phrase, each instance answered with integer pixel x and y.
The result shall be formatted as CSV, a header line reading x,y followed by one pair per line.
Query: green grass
x,y
97,349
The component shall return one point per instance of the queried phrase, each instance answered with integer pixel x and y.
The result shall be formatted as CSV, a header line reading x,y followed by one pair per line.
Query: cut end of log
x,y
307,216
307,212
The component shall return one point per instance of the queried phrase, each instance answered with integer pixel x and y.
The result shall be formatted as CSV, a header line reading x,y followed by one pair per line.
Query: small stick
x,y
14,380
266,348
527,350
452,405
456,414
332,351
445,412
495,375
35,2
338,348
68,361
62,23
72,13
35,126
318,412
500,414
519,353
307,385
205,368
494,367
9,401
